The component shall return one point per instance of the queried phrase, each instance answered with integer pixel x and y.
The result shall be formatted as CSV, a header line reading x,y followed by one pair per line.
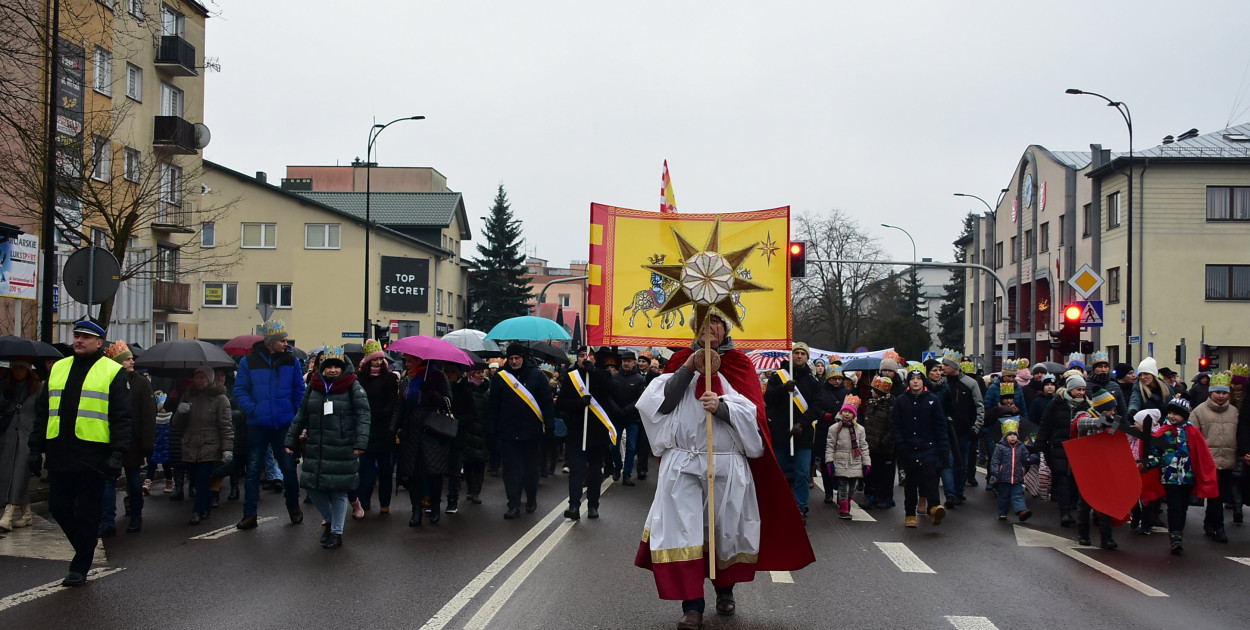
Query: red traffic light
x,y
1204,363
1072,313
796,249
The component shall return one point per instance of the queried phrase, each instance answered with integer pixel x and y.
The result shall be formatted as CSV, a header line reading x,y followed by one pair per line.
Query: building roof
x,y
382,229
399,209
1226,145
1072,159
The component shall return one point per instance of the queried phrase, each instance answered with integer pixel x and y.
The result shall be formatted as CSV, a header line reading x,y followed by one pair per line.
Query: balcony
x,y
176,57
174,135
171,297
174,219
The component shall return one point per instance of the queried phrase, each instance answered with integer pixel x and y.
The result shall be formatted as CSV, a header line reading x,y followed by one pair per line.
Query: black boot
x,y
234,490
325,535
1104,533
216,499
1066,520
178,493
415,521
1177,548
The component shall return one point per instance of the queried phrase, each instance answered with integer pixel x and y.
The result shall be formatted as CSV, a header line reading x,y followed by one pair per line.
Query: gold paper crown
x,y
916,366
953,355
116,348
1239,369
835,358
882,384
370,346
1023,363
1010,426
968,367
1007,387
1100,357
273,327
835,370
893,356
1224,379
333,353
851,400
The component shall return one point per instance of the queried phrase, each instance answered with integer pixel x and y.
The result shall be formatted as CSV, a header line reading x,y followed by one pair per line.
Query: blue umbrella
x,y
527,328
862,363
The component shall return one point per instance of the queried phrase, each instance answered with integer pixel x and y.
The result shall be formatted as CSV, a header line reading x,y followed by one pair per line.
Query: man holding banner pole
x,y
586,391
791,402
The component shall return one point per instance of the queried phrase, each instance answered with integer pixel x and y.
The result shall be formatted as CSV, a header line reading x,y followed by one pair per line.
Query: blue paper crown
x,y
273,327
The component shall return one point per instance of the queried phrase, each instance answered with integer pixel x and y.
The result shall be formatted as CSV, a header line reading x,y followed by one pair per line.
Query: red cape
x,y
784,545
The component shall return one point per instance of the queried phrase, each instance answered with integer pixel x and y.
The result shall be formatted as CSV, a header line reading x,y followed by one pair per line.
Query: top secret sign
x,y
405,284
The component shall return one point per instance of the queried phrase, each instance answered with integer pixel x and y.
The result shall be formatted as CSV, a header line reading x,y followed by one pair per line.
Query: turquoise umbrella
x,y
527,328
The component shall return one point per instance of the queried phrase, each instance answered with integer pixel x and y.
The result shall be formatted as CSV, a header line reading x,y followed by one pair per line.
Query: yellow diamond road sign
x,y
1085,281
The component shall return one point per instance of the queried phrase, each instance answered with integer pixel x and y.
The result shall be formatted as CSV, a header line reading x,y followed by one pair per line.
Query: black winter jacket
x,y
383,392
1056,428
570,407
626,389
919,428
67,453
514,420
777,406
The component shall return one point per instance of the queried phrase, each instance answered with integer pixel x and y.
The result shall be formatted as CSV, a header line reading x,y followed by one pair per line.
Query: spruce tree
x,y
497,288
951,314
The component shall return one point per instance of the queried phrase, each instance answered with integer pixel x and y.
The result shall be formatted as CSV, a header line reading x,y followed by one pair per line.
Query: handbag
x,y
562,428
441,423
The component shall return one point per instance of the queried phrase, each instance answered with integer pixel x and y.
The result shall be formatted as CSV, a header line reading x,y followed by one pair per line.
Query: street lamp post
x,y
1128,311
374,131
914,298
994,320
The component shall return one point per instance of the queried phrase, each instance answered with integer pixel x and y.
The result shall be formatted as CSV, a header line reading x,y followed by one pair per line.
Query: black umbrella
x,y
861,363
355,352
184,354
548,352
478,362
13,346
299,354
577,331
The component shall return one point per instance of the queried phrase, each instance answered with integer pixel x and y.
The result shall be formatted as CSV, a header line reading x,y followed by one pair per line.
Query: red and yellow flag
x,y
625,296
668,201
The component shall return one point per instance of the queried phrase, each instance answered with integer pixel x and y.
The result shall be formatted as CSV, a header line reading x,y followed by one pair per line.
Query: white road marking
x,y
1245,561
857,513
971,623
903,558
1027,537
50,588
229,529
466,594
496,602
781,577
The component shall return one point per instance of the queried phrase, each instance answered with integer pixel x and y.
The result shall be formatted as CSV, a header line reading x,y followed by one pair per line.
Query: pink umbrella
x,y
430,349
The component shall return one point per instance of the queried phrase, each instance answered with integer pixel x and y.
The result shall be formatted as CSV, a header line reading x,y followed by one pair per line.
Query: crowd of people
x,y
353,427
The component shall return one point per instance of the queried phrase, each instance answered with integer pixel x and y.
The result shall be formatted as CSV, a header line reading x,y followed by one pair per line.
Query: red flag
x,y
1106,472
668,202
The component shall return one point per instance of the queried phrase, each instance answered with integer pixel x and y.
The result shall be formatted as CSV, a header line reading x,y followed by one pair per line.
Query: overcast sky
x,y
882,109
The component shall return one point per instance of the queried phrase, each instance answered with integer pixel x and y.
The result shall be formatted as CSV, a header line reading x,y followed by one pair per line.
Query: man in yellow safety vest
x,y
82,430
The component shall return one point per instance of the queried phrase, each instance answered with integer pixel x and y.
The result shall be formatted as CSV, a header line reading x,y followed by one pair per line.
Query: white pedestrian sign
x,y
1091,313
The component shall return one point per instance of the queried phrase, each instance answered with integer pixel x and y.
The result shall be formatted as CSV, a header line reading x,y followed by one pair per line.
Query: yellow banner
x,y
626,297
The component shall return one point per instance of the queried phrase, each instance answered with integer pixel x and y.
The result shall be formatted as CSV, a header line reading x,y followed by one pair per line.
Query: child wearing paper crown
x,y
1010,462
846,454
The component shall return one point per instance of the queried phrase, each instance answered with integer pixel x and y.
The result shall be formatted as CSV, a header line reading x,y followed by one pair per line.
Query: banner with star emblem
x,y
649,272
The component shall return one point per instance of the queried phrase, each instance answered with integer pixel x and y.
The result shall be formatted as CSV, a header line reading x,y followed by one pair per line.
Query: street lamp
x,y
1128,311
374,131
915,294
994,324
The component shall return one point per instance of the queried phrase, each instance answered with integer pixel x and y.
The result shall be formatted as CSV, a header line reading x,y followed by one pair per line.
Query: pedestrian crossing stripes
x,y
781,577
50,588
903,558
229,529
971,623
1245,561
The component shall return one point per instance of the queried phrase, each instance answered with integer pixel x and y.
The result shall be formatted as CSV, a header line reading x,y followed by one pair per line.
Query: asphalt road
x,y
476,570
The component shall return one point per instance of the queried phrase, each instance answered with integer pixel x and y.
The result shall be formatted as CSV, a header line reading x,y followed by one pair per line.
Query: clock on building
x,y
1027,193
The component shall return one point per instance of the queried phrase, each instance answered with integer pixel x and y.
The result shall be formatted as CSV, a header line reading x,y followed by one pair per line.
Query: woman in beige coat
x,y
1216,417
207,436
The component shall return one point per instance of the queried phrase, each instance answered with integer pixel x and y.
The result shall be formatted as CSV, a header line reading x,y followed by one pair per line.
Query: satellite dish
x,y
202,136
91,275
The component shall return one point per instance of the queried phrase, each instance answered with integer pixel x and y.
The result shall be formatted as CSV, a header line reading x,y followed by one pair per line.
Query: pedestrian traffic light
x,y
798,259
1070,333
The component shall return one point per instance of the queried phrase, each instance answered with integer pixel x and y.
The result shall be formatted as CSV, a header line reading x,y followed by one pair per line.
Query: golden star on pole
x,y
707,279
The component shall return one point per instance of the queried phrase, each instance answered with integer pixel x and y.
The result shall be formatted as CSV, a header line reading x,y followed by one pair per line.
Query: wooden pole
x,y
711,476
796,386
585,417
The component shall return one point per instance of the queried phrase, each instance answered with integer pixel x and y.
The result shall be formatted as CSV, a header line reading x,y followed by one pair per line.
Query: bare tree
x,y
107,194
831,303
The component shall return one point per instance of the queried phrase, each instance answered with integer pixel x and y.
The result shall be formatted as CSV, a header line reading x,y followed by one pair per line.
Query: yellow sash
x,y
797,395
525,394
595,407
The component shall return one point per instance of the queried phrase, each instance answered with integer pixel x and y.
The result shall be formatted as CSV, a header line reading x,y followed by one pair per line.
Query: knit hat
x,y
1076,359
273,330
882,384
335,354
799,345
90,326
952,358
1221,382
1100,357
1039,369
889,364
929,363
515,350
207,372
1148,365
851,404
373,350
1049,378
1179,406
1023,378
1074,381
1241,373
1121,369
118,351
1103,402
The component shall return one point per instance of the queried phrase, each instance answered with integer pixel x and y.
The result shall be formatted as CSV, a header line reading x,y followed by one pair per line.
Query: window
x,y
565,300
260,235
1113,285
1062,233
158,332
1228,203
172,22
136,8
221,294
99,238
1113,210
166,263
1086,217
972,313
1028,243
103,71
208,234
171,100
101,159
321,236
133,161
998,254
1045,238
134,82
1015,249
279,295
1228,282
438,302
171,185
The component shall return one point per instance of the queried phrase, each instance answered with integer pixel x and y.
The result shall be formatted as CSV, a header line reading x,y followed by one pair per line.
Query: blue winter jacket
x,y
994,398
1009,464
269,387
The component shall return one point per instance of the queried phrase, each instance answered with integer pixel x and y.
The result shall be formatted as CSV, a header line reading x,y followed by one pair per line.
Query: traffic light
x,y
385,340
1070,333
798,259
1208,360
1204,364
